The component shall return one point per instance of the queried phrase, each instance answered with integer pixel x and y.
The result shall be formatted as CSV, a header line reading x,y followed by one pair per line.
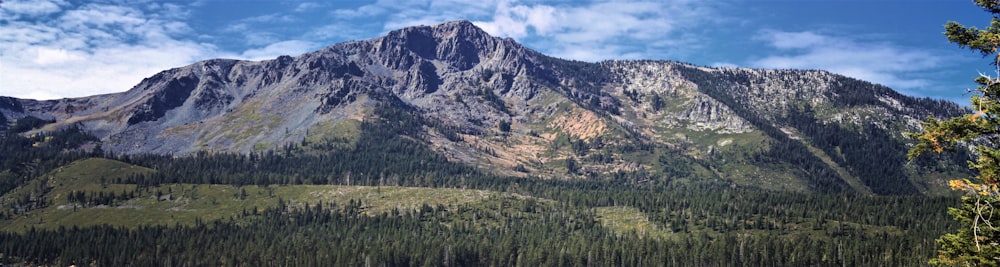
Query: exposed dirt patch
x,y
507,152
580,123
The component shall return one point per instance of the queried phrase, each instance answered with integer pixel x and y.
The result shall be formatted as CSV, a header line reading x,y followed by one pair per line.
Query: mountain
x,y
494,104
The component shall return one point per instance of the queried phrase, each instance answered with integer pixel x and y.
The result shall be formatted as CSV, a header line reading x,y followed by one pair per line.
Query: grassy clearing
x,y
386,198
625,220
345,133
187,203
777,177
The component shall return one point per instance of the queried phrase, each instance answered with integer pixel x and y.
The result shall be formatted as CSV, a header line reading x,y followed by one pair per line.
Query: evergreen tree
x,y
977,243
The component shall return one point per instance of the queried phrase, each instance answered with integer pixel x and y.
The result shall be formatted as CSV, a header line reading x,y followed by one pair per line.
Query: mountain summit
x,y
492,103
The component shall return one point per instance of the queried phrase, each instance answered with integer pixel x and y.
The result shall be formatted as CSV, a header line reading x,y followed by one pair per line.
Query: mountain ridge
x,y
495,104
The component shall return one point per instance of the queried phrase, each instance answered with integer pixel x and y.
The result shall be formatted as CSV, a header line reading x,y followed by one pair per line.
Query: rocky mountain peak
x,y
460,44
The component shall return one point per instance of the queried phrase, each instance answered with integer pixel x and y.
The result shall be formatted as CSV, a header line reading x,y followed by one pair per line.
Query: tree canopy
x,y
977,243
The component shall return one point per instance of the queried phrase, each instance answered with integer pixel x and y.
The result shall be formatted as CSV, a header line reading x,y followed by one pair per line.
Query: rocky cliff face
x,y
493,103
661,83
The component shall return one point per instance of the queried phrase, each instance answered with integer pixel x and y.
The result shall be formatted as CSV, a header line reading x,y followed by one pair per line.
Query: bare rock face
x,y
688,105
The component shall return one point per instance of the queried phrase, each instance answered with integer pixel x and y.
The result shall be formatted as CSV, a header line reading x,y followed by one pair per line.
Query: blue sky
x,y
62,48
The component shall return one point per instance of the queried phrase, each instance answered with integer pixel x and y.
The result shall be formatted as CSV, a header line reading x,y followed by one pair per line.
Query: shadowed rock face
x,y
462,84
11,104
175,93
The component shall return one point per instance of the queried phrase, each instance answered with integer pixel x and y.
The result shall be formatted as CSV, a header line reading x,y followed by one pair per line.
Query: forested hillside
x,y
269,208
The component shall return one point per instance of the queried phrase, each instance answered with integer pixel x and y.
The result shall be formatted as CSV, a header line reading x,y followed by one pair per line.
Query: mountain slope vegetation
x,y
442,145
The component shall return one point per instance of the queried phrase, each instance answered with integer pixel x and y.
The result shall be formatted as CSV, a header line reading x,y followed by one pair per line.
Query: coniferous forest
x,y
556,222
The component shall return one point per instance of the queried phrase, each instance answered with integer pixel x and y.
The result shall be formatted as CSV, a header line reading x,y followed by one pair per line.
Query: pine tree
x,y
977,243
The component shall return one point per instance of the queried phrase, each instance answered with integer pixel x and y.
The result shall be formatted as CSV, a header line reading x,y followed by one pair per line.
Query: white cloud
x,y
794,40
48,56
515,21
170,10
27,33
307,6
291,48
92,49
30,8
364,11
399,8
592,30
259,30
724,65
878,62
598,30
337,31
270,18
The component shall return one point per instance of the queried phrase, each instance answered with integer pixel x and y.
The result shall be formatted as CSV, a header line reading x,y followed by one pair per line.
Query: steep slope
x,y
233,105
492,103
857,124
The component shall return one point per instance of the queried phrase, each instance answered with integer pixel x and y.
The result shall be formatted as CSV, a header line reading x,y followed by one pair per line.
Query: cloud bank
x,y
583,30
52,49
